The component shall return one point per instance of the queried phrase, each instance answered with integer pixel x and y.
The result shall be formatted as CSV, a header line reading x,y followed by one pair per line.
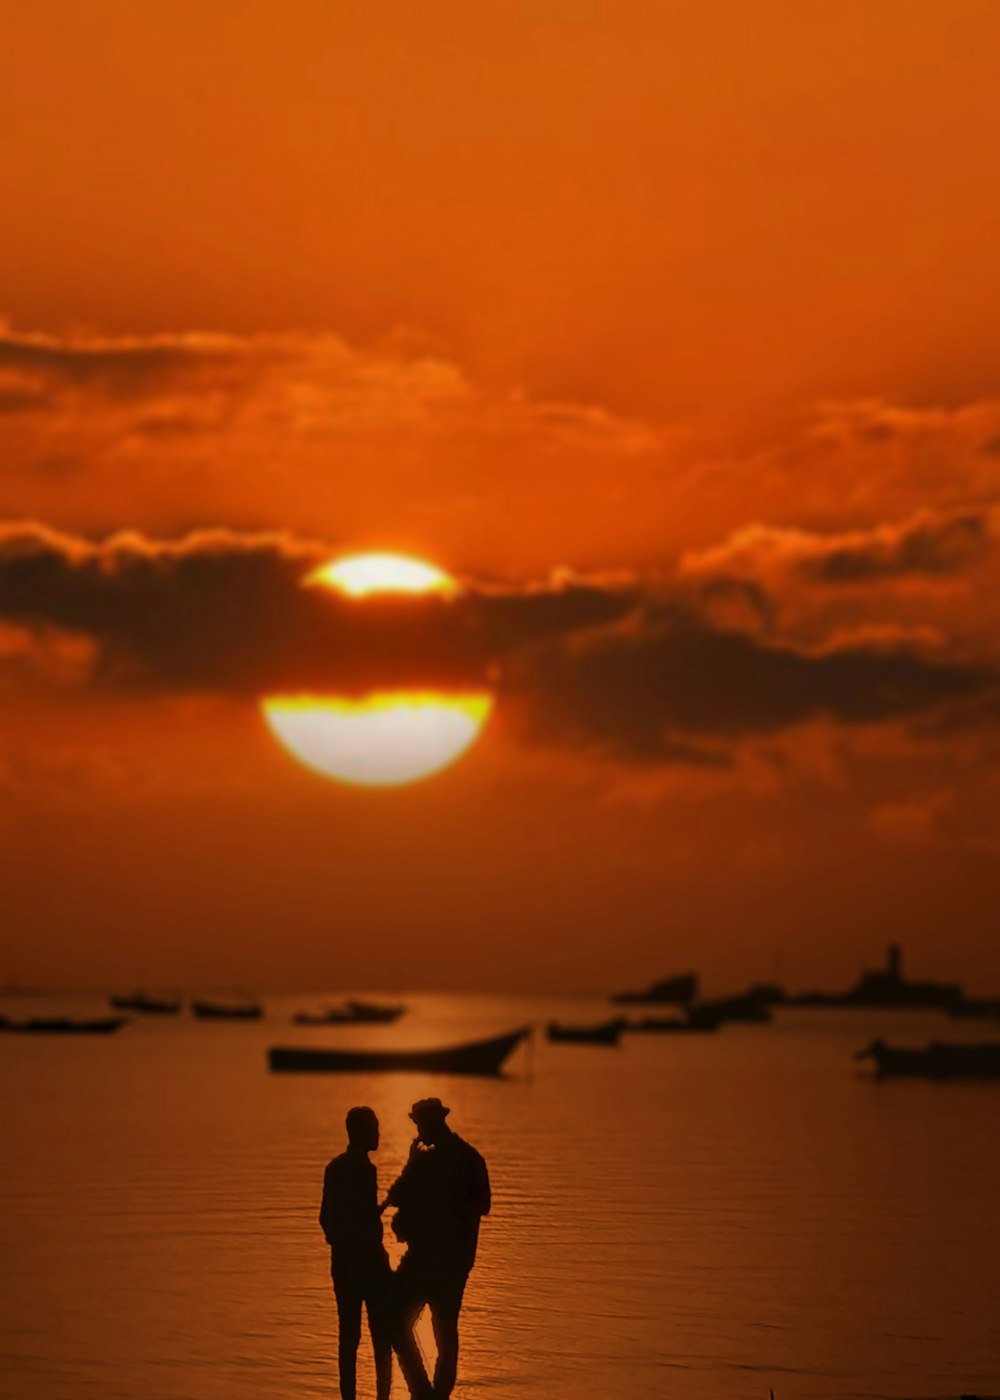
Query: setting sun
x,y
381,740
384,738
361,575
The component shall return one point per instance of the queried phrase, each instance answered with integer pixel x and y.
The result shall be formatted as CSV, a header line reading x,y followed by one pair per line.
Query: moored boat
x,y
938,1060
606,1033
146,1004
982,1008
352,1013
677,990
746,1007
381,1012
333,1016
484,1057
674,1025
227,1011
64,1025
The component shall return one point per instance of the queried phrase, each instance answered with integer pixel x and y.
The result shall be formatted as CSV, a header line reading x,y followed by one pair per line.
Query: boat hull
x,y
743,1008
609,1033
672,1025
147,1006
355,1013
669,991
63,1026
208,1011
483,1057
936,1061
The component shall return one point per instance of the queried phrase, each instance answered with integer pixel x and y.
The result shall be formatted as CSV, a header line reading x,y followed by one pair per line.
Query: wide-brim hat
x,y
425,1109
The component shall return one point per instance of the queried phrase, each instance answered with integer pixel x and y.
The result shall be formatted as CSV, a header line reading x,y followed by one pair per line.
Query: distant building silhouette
x,y
887,986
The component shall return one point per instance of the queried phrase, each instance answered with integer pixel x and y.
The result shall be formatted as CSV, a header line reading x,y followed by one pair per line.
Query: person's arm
x,y
326,1209
484,1198
396,1193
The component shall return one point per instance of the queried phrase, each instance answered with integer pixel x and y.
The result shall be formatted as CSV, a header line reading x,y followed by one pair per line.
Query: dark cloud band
x,y
639,690
599,664
220,611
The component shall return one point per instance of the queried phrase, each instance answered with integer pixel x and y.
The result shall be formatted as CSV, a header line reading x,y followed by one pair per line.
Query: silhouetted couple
x,y
440,1197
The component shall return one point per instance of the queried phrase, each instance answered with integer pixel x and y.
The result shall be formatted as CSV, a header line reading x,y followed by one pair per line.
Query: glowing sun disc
x,y
382,739
361,575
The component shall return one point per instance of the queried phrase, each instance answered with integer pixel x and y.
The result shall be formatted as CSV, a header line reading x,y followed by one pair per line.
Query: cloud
x,y
166,431
670,677
932,577
221,611
845,466
882,424
314,381
315,433
126,367
913,822
640,670
929,545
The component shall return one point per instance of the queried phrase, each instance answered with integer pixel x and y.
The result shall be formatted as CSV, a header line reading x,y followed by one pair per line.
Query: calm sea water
x,y
701,1216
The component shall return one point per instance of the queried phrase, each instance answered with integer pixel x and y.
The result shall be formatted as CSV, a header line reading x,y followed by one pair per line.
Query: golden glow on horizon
x,y
385,738
361,575
381,740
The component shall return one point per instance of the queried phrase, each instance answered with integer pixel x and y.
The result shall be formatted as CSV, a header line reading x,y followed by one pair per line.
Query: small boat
x,y
667,1025
607,1033
739,1008
227,1011
938,1060
146,1004
352,1013
677,990
333,1016
982,1008
475,1057
375,1012
64,1025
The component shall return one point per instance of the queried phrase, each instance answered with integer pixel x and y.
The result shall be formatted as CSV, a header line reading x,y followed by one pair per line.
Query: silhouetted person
x,y
352,1224
441,1196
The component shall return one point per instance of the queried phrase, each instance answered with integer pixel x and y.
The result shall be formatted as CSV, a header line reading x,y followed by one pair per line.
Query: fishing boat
x,y
375,1012
475,1057
352,1013
606,1033
227,1011
63,1025
678,990
146,1004
746,1007
674,1025
982,1008
938,1060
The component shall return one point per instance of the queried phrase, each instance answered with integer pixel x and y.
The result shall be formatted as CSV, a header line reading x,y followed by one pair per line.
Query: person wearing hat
x,y
352,1223
440,1197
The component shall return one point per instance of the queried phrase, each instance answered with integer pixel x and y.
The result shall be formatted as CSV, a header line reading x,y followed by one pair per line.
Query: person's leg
x,y
445,1304
408,1302
379,1306
348,1296
382,1348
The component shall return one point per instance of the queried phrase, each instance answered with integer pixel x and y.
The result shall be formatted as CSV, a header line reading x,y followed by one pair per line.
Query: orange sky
x,y
696,300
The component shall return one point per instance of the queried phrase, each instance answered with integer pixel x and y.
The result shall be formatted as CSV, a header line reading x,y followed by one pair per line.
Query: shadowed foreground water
x,y
689,1216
